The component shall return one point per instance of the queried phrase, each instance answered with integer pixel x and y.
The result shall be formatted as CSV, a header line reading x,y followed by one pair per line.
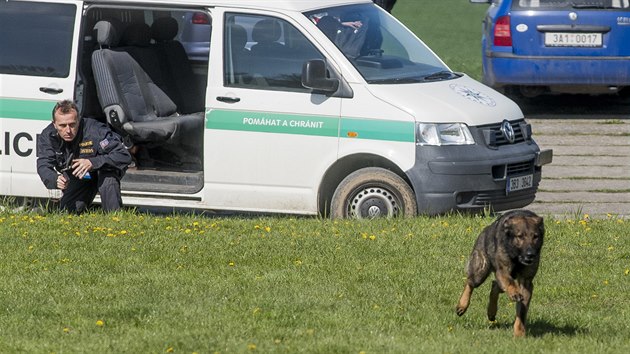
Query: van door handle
x,y
50,90
228,99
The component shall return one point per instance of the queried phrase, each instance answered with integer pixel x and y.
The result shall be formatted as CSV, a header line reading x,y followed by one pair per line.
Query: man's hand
x,y
80,167
62,182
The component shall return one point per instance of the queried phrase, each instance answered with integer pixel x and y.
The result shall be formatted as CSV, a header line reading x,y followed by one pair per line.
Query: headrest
x,y
106,33
239,35
266,31
137,35
164,29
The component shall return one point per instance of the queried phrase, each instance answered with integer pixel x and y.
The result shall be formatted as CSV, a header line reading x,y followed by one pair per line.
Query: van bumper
x,y
474,178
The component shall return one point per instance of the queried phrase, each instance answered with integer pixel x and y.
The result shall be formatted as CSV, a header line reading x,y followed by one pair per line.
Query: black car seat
x,y
266,33
182,85
133,104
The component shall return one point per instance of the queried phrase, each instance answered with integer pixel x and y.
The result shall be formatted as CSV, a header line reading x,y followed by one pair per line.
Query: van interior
x,y
144,72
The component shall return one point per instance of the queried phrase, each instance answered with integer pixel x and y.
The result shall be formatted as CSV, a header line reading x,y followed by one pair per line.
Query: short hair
x,y
65,107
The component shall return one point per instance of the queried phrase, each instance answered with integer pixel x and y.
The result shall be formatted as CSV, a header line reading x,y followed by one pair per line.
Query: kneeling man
x,y
81,157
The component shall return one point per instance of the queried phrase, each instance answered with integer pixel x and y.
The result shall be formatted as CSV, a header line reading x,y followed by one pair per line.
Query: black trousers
x,y
80,193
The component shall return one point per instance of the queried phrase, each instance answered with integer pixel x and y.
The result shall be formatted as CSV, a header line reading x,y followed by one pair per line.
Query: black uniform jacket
x,y
94,141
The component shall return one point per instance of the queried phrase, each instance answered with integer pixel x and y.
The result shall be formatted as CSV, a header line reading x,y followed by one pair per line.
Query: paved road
x,y
590,173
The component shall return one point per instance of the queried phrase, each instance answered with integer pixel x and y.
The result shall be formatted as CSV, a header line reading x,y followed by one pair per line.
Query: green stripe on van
x,y
26,109
375,129
267,122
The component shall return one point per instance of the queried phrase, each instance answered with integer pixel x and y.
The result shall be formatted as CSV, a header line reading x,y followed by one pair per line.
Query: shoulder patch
x,y
104,143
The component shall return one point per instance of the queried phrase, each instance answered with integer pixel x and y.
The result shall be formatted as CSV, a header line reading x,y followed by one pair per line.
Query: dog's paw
x,y
460,310
516,297
514,294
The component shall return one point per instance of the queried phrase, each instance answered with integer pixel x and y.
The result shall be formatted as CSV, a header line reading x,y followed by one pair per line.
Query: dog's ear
x,y
538,220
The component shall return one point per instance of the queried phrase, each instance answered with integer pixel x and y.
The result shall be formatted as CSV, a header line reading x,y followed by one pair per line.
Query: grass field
x,y
452,28
134,283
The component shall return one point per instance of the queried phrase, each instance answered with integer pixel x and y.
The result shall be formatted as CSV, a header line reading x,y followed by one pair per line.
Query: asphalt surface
x,y
590,172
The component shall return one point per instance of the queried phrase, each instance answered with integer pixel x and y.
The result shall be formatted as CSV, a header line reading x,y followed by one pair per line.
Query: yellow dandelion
x,y
626,272
188,231
115,218
610,248
170,350
66,330
100,323
123,232
297,262
251,346
372,237
268,229
605,282
231,264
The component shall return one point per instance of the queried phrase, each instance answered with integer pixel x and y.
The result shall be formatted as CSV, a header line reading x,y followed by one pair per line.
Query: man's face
x,y
67,125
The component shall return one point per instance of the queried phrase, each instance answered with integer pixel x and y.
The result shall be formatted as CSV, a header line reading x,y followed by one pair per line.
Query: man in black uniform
x,y
81,157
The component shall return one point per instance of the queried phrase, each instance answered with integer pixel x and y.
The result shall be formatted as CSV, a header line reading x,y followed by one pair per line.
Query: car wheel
x,y
371,193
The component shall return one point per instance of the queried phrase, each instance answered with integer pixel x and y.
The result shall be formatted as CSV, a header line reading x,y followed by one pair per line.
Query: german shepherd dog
x,y
510,247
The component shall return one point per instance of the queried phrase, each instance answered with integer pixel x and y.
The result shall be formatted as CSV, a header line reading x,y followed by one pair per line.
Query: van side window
x,y
263,52
36,38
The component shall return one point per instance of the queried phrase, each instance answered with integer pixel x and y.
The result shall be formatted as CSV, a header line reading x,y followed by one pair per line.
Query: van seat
x,y
136,40
133,104
180,81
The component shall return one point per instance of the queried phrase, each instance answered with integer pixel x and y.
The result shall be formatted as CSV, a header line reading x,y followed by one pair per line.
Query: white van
x,y
328,107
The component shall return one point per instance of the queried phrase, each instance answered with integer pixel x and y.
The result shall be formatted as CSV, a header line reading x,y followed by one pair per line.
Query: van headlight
x,y
443,134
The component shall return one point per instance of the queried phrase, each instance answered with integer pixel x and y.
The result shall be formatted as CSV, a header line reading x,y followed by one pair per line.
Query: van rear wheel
x,y
370,193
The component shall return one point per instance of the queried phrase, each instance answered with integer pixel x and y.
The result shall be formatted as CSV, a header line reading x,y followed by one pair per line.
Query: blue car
x,y
533,47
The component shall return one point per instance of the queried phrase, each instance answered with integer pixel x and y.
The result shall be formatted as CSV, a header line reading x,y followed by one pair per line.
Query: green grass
x,y
452,28
288,285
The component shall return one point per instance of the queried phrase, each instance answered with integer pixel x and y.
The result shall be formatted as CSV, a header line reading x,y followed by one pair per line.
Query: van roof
x,y
291,5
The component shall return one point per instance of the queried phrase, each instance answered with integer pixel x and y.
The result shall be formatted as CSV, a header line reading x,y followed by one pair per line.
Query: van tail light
x,y
502,33
200,18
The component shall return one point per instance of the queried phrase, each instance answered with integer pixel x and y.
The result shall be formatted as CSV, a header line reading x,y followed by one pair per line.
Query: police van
x,y
314,107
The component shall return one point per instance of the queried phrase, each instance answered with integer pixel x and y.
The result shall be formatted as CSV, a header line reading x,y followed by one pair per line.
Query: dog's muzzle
x,y
529,257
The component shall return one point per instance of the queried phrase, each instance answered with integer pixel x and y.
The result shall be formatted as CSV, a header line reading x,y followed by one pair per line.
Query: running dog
x,y
510,247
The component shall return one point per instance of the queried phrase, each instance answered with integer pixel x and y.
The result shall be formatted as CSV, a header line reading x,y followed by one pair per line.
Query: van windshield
x,y
382,50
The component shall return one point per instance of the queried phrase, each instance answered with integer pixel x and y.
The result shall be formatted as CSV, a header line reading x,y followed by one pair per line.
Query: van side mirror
x,y
314,77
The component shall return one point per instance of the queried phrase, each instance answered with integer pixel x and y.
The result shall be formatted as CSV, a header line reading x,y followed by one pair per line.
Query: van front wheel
x,y
371,193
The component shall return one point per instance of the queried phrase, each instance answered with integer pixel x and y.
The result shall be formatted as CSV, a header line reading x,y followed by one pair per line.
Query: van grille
x,y
494,137
520,168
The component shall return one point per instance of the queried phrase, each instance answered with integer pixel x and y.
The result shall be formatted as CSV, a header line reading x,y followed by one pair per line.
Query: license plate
x,y
518,183
573,39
